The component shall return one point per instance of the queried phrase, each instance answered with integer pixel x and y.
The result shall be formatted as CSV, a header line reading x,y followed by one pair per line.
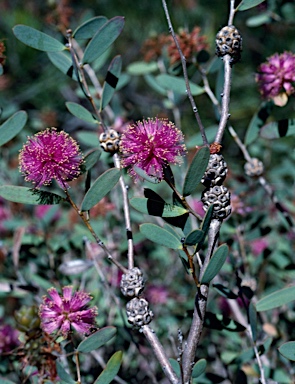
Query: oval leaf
x,y
196,171
278,129
103,38
175,366
156,208
97,339
111,370
63,61
253,321
111,81
88,29
25,195
102,185
276,299
256,123
177,85
215,264
199,368
80,112
160,236
152,82
142,68
194,237
247,4
12,126
63,374
36,39
288,350
91,159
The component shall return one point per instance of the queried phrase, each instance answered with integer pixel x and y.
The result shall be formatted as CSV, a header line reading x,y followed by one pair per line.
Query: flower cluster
x,y
151,145
8,338
50,155
276,77
62,312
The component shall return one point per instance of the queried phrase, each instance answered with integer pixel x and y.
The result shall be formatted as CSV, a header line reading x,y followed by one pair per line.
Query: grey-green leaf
x,y
152,82
63,375
199,368
63,61
23,195
102,185
161,209
175,366
92,158
194,237
278,129
88,29
253,320
288,350
36,39
160,236
12,126
111,81
276,299
103,39
97,339
215,264
247,4
177,85
142,68
81,112
111,370
196,171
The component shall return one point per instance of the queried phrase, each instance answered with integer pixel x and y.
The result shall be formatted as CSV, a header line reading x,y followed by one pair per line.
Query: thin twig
x,y
232,12
185,75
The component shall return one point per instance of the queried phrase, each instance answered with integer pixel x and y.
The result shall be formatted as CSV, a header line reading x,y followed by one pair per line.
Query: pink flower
x,y
157,294
65,311
50,155
276,77
258,246
151,145
8,338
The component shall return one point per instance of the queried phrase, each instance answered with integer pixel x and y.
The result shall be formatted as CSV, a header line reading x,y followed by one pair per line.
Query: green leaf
x,y
196,171
160,236
97,339
152,82
145,176
81,112
142,68
276,299
12,126
215,264
288,350
63,375
92,158
177,85
256,123
224,291
258,20
63,61
194,237
207,220
90,139
23,195
199,368
103,39
278,129
156,208
253,321
36,39
102,185
221,322
88,29
247,4
111,81
111,370
175,366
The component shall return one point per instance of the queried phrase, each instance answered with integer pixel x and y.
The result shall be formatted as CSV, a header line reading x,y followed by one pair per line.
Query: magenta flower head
x,y
60,313
151,145
50,155
276,77
8,338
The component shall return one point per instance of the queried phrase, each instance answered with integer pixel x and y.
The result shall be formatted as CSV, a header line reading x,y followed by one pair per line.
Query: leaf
x,y
24,195
278,129
207,220
111,370
160,236
258,20
111,81
81,112
215,264
175,366
276,299
221,322
12,126
88,29
36,39
194,237
97,339
63,374
103,39
145,176
199,368
288,350
63,61
102,185
253,321
224,291
256,123
177,85
156,208
247,4
196,171
142,68
92,158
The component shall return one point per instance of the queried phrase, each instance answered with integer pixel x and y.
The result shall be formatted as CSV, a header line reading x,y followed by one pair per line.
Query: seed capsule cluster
x,y
229,42
254,168
109,141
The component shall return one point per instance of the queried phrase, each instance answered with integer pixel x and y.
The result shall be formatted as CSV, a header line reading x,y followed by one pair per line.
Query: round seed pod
x,y
216,171
109,141
132,282
254,167
229,42
138,313
219,197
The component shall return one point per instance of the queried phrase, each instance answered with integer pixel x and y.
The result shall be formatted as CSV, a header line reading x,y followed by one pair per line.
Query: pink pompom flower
x,y
276,77
60,313
151,145
50,155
